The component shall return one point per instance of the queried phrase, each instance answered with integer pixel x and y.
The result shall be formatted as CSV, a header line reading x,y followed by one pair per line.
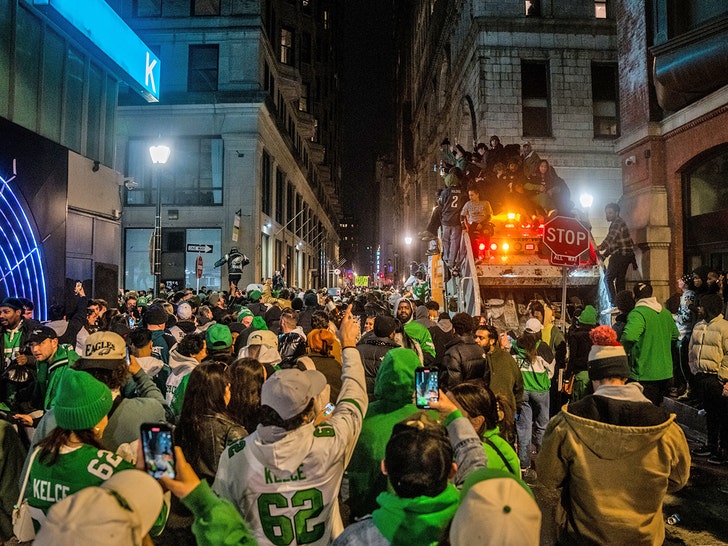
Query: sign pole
x,y
565,273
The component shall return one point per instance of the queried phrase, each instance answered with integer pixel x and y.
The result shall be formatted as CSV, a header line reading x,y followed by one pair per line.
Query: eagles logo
x,y
102,348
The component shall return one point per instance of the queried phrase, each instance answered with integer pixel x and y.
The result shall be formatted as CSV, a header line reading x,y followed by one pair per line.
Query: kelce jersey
x,y
74,470
297,505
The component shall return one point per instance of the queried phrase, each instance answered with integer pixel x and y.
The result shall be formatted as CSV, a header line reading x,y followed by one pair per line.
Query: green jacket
x,y
647,338
50,373
498,460
393,391
217,521
421,335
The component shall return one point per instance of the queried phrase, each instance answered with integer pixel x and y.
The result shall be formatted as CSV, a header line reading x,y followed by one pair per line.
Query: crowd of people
x,y
295,419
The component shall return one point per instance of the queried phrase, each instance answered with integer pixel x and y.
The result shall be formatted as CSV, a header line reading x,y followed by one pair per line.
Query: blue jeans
x,y
451,245
532,424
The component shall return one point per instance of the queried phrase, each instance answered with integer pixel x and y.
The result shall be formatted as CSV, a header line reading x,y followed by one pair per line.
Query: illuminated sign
x,y
100,24
21,263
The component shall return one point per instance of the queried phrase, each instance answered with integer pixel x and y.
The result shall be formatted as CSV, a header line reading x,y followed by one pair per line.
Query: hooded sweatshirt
x,y
272,473
393,390
617,455
419,333
647,338
181,367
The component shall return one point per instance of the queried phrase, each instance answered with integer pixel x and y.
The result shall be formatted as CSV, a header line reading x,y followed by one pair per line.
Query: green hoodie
x,y
51,371
393,390
420,520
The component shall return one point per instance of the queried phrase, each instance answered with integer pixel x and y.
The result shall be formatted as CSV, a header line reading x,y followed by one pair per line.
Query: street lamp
x,y
159,155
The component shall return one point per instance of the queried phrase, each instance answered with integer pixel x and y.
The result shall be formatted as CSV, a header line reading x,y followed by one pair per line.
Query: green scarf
x,y
420,520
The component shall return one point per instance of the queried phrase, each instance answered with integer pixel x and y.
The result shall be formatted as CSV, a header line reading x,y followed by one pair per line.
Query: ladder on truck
x,y
460,293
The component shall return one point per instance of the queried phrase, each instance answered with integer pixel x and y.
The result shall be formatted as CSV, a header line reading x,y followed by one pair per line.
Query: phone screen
x,y
158,450
427,384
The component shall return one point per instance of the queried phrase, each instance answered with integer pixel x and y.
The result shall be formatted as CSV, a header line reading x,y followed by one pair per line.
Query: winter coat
x,y
291,346
464,360
181,366
613,459
647,338
579,346
708,350
505,376
372,350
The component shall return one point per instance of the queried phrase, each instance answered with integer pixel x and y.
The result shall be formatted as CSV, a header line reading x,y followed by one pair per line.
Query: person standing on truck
x,y
475,216
619,248
452,201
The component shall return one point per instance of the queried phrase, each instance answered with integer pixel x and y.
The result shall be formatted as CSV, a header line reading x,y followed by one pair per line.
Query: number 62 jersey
x,y
286,483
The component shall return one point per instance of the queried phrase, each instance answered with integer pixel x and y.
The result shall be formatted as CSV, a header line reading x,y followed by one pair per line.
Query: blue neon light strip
x,y
21,263
98,22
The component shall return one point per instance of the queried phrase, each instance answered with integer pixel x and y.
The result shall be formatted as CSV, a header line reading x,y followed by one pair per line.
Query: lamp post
x,y
160,155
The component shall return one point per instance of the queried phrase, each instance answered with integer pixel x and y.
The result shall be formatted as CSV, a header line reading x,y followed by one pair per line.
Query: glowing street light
x,y
160,155
586,200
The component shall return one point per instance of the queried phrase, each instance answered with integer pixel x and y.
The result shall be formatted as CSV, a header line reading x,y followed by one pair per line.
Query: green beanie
x,y
259,323
588,316
82,401
244,312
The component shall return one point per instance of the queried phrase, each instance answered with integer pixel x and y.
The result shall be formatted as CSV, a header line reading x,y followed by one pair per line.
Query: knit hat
x,y
289,391
213,298
82,401
244,312
155,315
184,311
13,303
533,326
588,316
321,341
259,323
384,325
642,290
255,295
496,508
105,350
310,299
119,512
263,337
606,357
218,337
41,334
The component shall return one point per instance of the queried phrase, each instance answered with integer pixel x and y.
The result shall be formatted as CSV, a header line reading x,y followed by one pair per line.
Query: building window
x,y
533,8
191,177
202,68
600,9
147,8
205,7
286,46
265,184
280,177
303,99
305,48
536,99
326,17
605,100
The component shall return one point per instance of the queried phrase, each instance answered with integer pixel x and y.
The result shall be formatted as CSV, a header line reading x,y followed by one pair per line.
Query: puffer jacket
x,y
464,359
372,350
291,346
708,350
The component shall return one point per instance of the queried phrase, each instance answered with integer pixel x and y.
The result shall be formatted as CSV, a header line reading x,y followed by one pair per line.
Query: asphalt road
x,y
702,505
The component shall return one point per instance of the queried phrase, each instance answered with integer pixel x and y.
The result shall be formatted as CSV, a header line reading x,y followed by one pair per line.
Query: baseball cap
x,y
155,314
184,311
13,303
218,337
244,312
255,295
103,350
213,298
41,334
289,391
533,326
263,337
120,511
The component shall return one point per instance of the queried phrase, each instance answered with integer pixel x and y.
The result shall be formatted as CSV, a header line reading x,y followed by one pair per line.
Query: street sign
x,y
566,237
337,271
555,259
198,267
204,249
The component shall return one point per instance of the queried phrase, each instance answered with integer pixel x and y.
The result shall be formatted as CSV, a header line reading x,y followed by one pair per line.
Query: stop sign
x,y
198,267
566,236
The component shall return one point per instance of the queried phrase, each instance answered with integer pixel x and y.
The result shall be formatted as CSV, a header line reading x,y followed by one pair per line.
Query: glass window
x,y
280,178
265,262
202,70
27,69
147,8
286,46
708,186
303,99
73,99
306,48
605,101
600,9
95,109
265,184
535,98
137,252
210,273
191,177
206,7
54,49
533,8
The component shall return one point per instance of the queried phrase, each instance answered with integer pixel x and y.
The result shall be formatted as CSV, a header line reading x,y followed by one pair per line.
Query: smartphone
x,y
158,448
427,386
328,409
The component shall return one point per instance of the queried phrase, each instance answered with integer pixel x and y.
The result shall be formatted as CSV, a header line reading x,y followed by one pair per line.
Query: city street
x,y
701,506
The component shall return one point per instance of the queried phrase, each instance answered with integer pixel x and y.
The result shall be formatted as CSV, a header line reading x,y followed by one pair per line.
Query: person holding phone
x,y
72,456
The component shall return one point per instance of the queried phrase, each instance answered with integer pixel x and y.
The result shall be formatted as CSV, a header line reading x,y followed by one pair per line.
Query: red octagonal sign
x,y
566,236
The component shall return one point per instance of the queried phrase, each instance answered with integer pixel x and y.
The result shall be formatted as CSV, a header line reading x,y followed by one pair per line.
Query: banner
x,y
361,280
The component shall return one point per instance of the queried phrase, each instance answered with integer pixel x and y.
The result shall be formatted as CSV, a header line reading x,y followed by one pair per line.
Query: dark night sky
x,y
367,75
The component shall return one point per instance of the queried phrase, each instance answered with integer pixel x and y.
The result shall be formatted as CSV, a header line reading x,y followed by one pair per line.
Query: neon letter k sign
x,y
149,74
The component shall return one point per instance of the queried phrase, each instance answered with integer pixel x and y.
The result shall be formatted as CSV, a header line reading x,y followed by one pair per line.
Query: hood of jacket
x,y
395,381
612,442
651,302
181,364
445,325
418,520
279,449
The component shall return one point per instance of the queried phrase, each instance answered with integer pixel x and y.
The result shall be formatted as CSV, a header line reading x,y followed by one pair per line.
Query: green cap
x,y
244,312
588,316
255,295
259,323
82,401
218,337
